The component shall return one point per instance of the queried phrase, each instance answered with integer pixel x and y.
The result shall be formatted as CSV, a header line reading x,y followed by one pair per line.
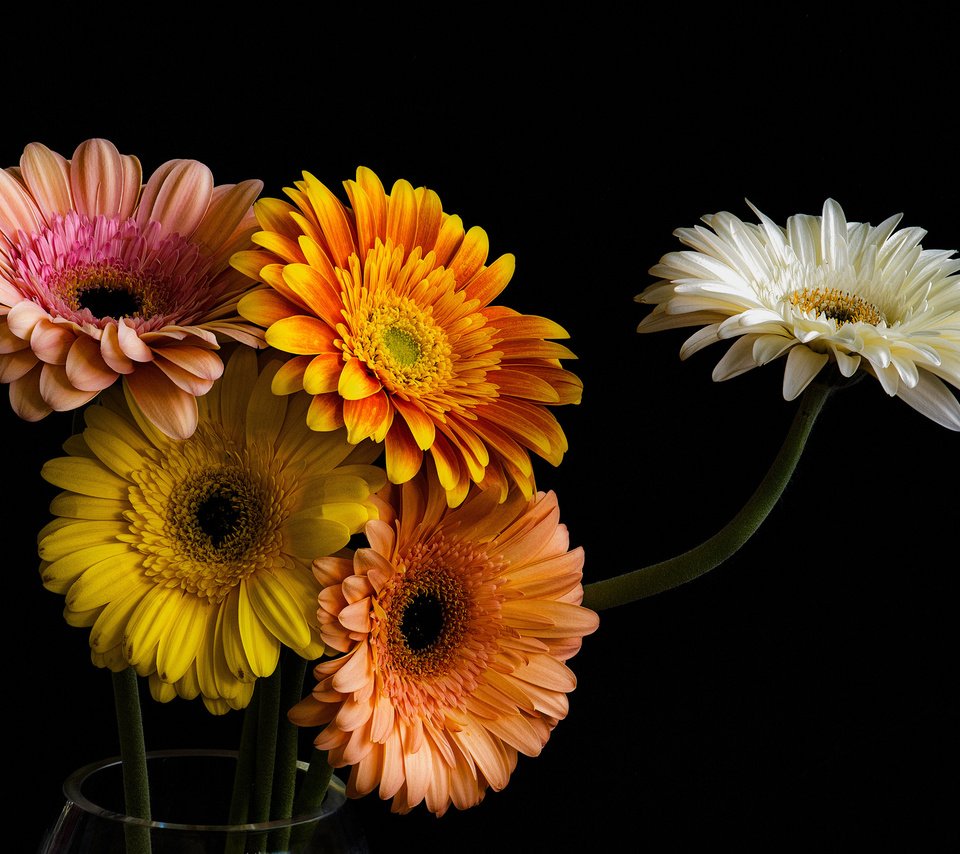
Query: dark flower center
x,y
219,514
105,301
422,622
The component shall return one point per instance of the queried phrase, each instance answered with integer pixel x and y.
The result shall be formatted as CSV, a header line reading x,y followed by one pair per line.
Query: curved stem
x,y
133,755
675,571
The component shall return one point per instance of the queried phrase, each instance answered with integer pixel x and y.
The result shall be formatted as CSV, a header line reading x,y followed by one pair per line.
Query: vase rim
x,y
334,799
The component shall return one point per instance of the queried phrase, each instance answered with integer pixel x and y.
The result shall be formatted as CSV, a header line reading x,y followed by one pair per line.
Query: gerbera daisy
x,y
190,560
100,279
454,626
385,307
819,291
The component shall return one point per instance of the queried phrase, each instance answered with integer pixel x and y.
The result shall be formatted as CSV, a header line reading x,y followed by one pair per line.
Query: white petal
x,y
803,364
737,360
931,397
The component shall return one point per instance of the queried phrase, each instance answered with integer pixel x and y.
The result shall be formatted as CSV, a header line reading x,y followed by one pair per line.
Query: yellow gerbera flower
x,y
190,560
455,626
385,308
101,278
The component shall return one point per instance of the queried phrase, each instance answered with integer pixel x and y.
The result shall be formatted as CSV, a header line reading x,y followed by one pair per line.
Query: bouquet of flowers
x,y
304,433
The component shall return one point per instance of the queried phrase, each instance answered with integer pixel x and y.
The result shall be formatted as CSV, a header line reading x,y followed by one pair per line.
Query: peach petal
x,y
170,409
130,343
59,393
111,352
229,205
47,176
23,317
180,197
86,368
185,379
15,365
18,211
97,178
199,361
25,397
51,341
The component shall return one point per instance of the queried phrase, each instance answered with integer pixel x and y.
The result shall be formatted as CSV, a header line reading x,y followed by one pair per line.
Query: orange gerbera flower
x,y
385,308
100,278
454,626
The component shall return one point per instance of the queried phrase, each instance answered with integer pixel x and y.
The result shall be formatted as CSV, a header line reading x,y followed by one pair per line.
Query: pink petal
x,y
170,409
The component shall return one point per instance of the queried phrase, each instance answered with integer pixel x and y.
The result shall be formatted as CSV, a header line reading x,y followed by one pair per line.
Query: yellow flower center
x,y
400,342
840,306
206,515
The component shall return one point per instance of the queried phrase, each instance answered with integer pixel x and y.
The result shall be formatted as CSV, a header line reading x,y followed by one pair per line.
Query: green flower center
x,y
402,346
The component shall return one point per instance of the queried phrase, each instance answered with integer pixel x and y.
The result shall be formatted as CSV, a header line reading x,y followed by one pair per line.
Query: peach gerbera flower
x,y
102,278
386,310
454,626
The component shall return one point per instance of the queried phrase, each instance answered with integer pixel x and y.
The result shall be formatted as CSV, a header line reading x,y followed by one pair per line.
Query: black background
x,y
803,691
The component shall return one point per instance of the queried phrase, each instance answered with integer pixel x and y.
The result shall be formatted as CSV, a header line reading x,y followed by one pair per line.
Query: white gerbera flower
x,y
819,290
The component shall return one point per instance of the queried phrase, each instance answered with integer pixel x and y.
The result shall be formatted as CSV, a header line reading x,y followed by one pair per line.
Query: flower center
x,y
427,621
100,269
217,514
840,306
206,514
399,340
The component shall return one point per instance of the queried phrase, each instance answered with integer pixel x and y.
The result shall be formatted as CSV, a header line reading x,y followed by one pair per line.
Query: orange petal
x,y
369,417
529,326
332,219
325,413
429,218
356,382
265,307
402,216
300,335
519,383
289,378
403,456
421,425
170,409
322,373
470,256
490,281
316,292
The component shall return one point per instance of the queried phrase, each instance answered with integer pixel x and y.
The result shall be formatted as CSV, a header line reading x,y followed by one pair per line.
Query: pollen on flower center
x,y
839,305
404,346
427,620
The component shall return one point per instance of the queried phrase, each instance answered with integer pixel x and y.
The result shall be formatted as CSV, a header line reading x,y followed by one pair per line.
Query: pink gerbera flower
x,y
101,277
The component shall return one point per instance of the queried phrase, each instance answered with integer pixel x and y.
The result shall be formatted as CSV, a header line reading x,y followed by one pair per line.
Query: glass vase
x,y
190,792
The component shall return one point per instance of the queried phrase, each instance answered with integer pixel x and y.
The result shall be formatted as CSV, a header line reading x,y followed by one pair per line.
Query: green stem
x,y
269,690
312,792
671,573
136,788
285,777
243,777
